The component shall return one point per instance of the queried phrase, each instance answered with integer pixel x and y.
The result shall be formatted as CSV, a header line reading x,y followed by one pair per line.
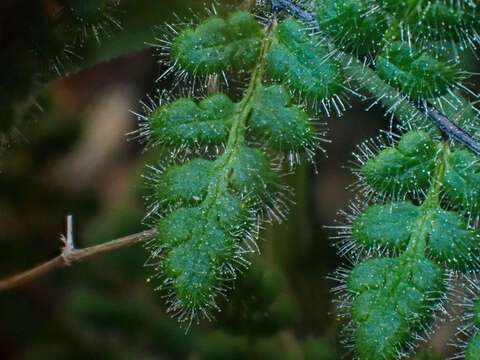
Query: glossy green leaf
x,y
251,173
185,183
285,126
357,25
202,249
217,44
445,20
437,19
370,274
184,122
404,168
417,73
451,243
393,296
177,227
462,180
298,61
386,225
472,351
391,226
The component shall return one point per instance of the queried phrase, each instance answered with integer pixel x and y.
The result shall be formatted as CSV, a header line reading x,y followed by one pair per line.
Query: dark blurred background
x,y
64,150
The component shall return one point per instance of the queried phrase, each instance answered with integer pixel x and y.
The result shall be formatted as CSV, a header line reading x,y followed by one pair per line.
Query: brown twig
x,y
71,255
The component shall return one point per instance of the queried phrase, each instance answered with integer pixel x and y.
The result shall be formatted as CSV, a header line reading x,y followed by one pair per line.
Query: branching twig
x,y
71,255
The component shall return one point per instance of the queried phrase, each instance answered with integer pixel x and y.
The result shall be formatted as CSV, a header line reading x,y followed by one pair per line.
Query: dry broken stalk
x,y
71,255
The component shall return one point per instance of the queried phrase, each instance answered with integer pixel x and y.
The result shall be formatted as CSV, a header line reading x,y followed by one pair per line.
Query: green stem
x,y
237,132
429,208
396,103
236,136
422,227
